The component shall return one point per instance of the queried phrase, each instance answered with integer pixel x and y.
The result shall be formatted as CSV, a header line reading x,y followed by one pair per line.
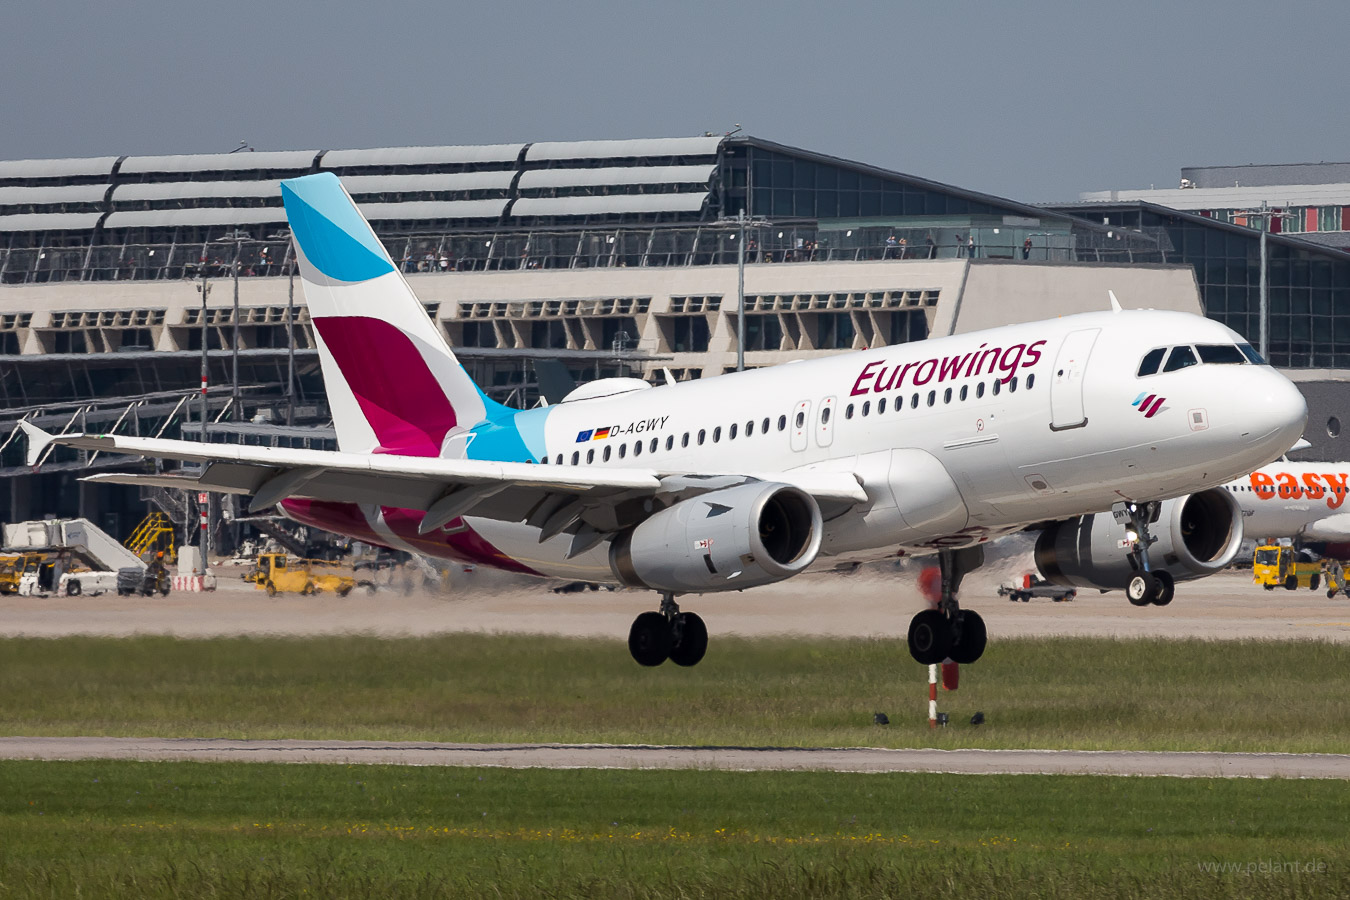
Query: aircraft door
x,y
800,425
825,422
1066,384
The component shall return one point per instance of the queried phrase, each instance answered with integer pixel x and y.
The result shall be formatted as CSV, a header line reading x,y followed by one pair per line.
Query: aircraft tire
x,y
1166,589
1142,589
973,639
692,642
649,639
930,637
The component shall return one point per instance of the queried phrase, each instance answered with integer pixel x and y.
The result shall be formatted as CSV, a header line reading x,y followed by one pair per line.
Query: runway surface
x,y
610,756
1225,607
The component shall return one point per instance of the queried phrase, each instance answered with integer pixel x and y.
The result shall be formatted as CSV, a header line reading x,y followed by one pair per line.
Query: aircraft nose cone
x,y
1279,412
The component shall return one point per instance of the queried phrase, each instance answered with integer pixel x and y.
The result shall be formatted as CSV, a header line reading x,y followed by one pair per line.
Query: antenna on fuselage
x,y
1115,304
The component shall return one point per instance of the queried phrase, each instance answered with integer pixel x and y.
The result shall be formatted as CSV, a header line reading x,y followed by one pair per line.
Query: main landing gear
x,y
669,634
1147,586
949,631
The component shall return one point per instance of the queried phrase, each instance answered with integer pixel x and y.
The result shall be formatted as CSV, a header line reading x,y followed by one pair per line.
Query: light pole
x,y
236,238
205,289
1263,215
741,222
291,262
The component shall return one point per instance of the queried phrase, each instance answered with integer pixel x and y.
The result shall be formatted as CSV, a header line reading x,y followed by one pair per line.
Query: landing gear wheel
x,y
1142,589
688,639
1166,589
930,637
649,639
271,589
970,646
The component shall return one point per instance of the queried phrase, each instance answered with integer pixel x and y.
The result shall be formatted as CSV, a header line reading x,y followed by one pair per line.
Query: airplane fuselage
x,y
955,440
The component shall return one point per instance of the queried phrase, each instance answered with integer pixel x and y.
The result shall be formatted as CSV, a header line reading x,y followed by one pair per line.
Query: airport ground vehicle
x,y
1033,586
276,574
1278,564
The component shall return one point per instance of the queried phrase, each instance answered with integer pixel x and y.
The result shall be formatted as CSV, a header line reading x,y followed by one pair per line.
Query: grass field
x,y
104,829
1051,693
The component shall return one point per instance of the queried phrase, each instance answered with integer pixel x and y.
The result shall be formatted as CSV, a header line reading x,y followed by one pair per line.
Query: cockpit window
x,y
1252,356
1220,354
1152,359
1180,358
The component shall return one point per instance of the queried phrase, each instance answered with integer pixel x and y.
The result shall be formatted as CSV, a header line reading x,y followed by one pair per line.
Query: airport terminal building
x,y
119,276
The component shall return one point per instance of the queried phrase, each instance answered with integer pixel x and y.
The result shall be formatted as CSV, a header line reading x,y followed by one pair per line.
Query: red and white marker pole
x,y
932,695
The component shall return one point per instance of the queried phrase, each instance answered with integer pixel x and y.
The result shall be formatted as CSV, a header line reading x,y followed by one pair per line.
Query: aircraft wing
x,y
546,496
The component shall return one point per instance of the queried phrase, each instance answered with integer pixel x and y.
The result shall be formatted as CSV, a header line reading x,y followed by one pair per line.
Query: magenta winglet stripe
x,y
397,393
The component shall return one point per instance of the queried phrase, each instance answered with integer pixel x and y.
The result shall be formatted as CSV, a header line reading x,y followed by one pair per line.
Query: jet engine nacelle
x,y
1197,535
725,540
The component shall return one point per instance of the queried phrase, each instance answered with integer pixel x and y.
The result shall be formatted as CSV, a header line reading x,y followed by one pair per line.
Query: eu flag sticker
x,y
584,436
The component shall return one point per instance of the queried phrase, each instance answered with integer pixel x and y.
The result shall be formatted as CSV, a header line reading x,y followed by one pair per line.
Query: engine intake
x,y
1198,535
725,540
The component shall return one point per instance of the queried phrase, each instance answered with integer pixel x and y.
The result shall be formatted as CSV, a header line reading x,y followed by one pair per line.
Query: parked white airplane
x,y
1296,500
750,478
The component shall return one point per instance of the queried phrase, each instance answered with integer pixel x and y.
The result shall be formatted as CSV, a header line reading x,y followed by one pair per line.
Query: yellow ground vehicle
x,y
1275,564
274,573
11,568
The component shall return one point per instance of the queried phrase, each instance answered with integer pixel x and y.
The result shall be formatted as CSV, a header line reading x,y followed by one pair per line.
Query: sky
x,y
1034,100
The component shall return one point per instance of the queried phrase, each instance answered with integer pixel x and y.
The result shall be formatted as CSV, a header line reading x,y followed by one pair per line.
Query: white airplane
x,y
750,478
1297,500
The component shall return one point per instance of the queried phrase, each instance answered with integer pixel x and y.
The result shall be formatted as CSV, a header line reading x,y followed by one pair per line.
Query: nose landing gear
x,y
1147,586
949,631
670,634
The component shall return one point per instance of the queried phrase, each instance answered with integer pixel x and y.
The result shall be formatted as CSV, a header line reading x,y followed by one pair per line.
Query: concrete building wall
x,y
955,295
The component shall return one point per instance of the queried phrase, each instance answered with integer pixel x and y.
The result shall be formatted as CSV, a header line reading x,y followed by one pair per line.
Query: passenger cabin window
x,y
560,459
717,434
605,458
825,416
881,406
965,388
764,426
731,432
1220,354
848,411
576,458
637,448
590,456
979,390
702,434
1149,364
623,450
801,419
1180,358
867,407
782,422
750,428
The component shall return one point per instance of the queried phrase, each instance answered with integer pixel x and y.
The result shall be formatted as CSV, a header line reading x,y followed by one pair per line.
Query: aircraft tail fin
x,y
393,382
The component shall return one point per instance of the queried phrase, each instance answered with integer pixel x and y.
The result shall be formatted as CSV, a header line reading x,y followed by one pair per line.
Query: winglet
x,y
1115,304
38,441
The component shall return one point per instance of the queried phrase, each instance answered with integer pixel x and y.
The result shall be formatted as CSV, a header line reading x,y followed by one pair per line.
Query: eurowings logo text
x,y
1149,404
